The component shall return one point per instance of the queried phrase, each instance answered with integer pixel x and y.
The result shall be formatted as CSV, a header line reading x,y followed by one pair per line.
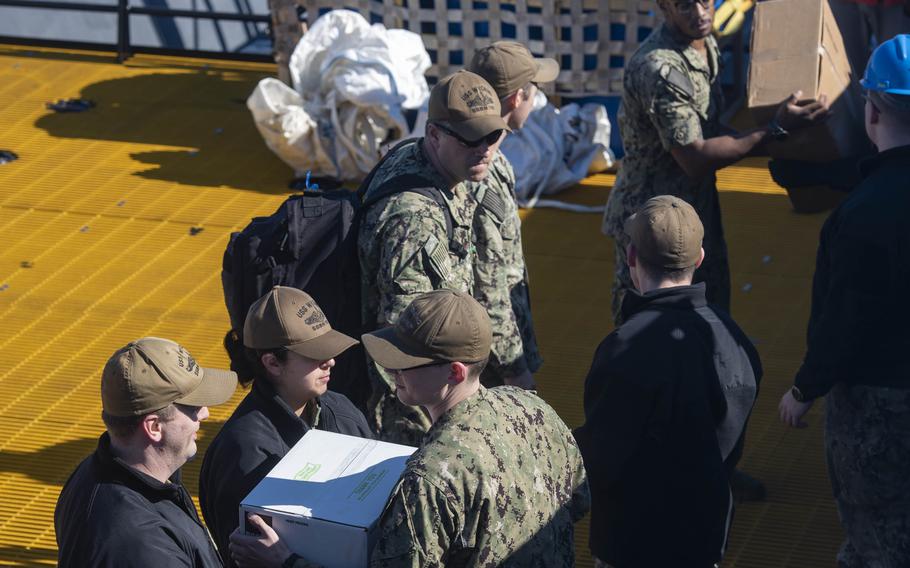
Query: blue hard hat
x,y
888,69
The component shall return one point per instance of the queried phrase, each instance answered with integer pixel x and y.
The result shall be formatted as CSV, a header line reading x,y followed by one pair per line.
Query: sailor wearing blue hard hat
x,y
888,69
859,335
887,84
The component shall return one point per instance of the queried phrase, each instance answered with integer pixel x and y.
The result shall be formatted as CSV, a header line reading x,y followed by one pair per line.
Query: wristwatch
x,y
776,131
797,394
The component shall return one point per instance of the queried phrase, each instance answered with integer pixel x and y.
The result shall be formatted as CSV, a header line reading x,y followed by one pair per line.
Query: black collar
x,y
893,156
289,426
141,482
677,297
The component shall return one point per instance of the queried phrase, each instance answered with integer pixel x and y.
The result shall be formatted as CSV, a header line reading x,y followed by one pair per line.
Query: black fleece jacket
x,y
666,403
261,431
858,329
110,515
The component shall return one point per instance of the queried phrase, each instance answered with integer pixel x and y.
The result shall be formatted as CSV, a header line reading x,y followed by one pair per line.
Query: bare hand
x,y
524,380
792,411
264,549
793,114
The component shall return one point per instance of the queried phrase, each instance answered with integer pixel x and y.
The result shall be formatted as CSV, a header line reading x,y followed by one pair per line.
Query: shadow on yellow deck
x,y
96,219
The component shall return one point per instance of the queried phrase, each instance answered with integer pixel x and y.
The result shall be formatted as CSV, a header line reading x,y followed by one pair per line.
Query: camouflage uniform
x,y
500,275
868,451
404,251
671,98
498,481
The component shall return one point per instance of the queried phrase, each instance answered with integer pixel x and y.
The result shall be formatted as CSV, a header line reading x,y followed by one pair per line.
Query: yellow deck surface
x,y
96,219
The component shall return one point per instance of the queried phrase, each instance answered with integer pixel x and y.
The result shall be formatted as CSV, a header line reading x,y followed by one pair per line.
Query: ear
x,y
875,115
458,373
631,256
151,428
701,258
271,364
432,134
511,102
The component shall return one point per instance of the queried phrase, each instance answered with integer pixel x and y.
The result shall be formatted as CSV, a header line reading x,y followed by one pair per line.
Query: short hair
x,y
894,106
526,88
251,368
124,426
660,273
475,369
434,123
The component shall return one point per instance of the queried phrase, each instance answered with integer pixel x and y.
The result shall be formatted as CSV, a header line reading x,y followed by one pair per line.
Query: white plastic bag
x,y
287,128
556,149
351,83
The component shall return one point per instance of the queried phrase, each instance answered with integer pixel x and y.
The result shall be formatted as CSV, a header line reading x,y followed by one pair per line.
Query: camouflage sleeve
x,y
414,254
416,528
670,98
491,288
581,494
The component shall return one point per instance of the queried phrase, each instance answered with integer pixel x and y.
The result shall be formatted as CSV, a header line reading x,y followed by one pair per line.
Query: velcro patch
x,y
677,80
438,255
493,202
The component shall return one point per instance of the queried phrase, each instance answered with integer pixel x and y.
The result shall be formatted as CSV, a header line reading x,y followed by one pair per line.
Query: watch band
x,y
776,131
797,394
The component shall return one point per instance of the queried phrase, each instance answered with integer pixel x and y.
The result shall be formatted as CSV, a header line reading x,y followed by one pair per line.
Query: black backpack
x,y
310,243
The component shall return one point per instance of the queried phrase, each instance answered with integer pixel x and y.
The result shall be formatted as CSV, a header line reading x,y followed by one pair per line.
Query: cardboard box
x,y
325,496
796,45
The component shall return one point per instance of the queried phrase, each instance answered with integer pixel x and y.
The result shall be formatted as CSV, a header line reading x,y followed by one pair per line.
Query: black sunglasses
x,y
490,139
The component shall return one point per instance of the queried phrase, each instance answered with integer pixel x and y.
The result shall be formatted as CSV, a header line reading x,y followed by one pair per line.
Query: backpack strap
x,y
365,184
415,184
405,182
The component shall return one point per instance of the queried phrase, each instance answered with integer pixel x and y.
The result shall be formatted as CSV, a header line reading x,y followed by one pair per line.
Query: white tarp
x,y
556,149
351,83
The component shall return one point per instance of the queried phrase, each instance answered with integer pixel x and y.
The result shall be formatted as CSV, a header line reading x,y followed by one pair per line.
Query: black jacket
x,y
253,440
666,401
110,515
858,329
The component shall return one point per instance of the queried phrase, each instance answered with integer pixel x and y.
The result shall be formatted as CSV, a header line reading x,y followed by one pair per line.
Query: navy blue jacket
x,y
110,515
262,430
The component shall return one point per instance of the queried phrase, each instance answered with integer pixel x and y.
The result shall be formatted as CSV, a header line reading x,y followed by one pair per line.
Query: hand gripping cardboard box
x,y
326,495
796,45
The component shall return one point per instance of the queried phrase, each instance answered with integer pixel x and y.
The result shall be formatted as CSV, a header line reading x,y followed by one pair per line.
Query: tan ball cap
x,y
151,373
666,232
509,66
467,104
437,326
289,317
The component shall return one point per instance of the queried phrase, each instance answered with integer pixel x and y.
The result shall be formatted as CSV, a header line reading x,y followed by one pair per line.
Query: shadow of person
x,y
200,112
53,464
30,556
189,473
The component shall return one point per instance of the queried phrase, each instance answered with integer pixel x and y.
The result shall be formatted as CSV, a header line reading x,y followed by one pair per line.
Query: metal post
x,y
123,31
